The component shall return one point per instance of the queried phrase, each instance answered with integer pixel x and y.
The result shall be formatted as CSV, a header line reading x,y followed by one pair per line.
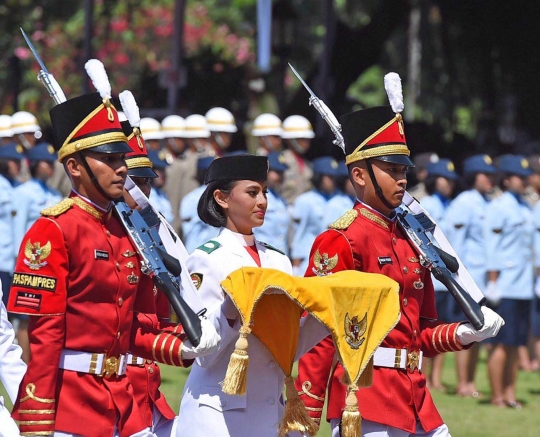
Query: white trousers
x,y
374,429
147,432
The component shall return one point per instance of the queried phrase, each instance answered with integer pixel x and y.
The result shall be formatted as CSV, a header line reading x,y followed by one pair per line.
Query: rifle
x,y
142,227
419,229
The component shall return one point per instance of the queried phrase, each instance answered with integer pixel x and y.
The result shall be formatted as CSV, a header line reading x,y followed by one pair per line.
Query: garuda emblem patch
x,y
322,264
36,255
355,330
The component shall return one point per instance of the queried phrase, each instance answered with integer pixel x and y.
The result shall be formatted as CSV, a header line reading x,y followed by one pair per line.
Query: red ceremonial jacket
x,y
367,241
152,309
77,275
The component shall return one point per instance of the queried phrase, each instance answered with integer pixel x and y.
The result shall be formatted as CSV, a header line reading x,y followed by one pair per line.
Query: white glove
x,y
492,293
208,343
537,287
466,334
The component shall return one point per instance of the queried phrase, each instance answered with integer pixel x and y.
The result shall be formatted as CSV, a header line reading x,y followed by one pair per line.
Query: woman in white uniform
x,y
235,200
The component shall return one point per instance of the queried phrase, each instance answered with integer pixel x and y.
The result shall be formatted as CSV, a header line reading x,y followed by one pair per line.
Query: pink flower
x,y
22,52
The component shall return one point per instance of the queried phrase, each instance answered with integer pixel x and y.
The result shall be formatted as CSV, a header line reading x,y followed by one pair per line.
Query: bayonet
x,y
44,76
325,112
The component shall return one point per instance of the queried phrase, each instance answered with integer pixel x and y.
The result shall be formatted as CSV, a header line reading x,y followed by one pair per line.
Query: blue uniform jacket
x,y
30,198
465,230
308,222
275,230
160,201
194,231
8,251
508,234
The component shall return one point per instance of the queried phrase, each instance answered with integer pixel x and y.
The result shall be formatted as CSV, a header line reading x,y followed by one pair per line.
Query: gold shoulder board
x,y
345,220
60,208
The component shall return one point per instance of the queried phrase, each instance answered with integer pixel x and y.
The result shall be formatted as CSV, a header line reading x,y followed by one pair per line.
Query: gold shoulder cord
x,y
58,209
374,218
345,220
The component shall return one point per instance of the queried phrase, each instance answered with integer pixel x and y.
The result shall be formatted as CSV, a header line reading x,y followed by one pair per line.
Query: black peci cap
x,y
238,167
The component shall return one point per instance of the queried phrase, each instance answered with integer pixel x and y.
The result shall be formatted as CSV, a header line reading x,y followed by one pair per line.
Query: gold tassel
x,y
295,417
351,421
107,103
235,382
366,378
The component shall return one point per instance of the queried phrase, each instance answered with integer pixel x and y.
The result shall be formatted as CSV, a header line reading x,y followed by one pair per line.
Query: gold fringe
x,y
366,377
295,417
235,382
351,421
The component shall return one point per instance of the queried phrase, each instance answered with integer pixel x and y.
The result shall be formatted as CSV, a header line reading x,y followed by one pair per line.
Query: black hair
x,y
201,174
208,209
430,183
4,168
468,180
317,178
501,177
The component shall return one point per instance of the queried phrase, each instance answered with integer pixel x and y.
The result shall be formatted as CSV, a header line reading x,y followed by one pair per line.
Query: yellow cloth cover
x,y
359,309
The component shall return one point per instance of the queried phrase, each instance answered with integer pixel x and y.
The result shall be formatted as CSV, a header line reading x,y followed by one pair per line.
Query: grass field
x,y
466,417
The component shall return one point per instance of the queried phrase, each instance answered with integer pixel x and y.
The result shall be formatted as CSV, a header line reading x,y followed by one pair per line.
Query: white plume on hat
x,y
96,71
392,84
129,105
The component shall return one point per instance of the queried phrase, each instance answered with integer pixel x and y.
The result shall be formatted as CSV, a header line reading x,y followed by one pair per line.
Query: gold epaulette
x,y
60,208
345,220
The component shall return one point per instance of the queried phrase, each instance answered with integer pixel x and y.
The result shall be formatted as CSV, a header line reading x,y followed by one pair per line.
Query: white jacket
x,y
12,370
205,410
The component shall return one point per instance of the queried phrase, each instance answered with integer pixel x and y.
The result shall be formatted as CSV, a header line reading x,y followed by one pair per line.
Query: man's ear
x,y
221,198
359,175
73,167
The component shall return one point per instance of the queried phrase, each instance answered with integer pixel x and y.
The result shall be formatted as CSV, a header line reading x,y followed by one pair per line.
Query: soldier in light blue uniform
x,y
465,229
277,219
439,185
508,234
8,250
309,210
344,198
34,195
194,231
158,198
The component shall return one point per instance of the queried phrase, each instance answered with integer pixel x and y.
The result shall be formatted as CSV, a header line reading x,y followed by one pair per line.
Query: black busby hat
x,y
238,167
378,132
86,122
89,121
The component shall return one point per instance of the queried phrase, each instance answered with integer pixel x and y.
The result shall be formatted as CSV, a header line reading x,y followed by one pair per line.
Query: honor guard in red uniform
x,y
151,306
366,238
77,276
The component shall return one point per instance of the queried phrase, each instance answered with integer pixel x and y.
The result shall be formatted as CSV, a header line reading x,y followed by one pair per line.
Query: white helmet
x,y
196,127
5,126
23,122
172,126
150,129
296,126
266,124
220,120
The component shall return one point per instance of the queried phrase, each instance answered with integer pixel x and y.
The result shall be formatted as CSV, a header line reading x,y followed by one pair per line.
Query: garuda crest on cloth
x,y
322,264
36,255
355,330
